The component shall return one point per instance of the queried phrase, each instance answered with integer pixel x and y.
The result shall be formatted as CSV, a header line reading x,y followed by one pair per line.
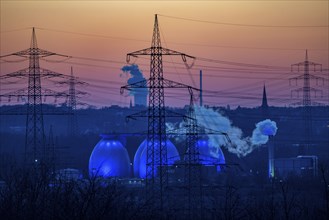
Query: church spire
x,y
264,101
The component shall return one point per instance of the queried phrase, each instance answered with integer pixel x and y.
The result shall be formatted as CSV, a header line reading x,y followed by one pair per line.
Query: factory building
x,y
299,166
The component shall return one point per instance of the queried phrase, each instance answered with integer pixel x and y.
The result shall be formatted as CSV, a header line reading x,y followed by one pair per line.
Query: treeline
x,y
38,194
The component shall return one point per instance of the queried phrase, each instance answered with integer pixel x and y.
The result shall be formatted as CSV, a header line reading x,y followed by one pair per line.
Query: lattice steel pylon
x,y
156,152
35,134
193,178
35,147
51,150
306,102
72,101
73,122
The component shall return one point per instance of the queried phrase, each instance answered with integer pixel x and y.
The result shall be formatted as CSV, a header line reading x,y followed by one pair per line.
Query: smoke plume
x,y
241,146
136,75
262,131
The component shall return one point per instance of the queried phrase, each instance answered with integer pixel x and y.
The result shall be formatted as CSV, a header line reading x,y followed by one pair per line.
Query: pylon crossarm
x,y
165,51
311,76
45,73
296,78
212,131
141,114
67,82
160,50
177,132
140,84
36,52
208,131
33,52
166,84
79,92
306,62
172,114
168,114
137,53
18,74
299,90
49,92
17,93
7,55
172,84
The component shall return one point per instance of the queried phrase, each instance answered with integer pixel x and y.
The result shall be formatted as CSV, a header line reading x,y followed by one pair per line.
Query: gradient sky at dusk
x,y
108,30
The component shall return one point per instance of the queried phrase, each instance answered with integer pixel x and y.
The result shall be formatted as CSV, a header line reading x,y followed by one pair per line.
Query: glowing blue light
x,y
210,155
140,157
267,127
109,160
268,130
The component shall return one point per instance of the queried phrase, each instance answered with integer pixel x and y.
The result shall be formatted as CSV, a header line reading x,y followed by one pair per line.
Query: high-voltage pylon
x,y
193,177
72,102
156,156
35,147
51,150
192,162
306,91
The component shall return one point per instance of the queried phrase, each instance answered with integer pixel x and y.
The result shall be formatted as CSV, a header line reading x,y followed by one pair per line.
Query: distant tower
x,y
270,144
130,104
72,104
72,101
140,97
264,101
306,102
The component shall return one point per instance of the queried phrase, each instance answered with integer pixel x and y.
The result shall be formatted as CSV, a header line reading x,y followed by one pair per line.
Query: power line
x,y
246,47
90,35
241,64
176,43
14,30
246,25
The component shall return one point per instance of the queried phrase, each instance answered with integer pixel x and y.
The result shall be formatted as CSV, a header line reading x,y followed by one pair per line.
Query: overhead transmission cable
x,y
245,25
177,43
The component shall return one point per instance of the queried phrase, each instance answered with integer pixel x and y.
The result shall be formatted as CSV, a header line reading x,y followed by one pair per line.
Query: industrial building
x,y
303,166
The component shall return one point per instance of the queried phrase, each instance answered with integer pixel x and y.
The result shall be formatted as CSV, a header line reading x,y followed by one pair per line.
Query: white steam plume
x,y
241,146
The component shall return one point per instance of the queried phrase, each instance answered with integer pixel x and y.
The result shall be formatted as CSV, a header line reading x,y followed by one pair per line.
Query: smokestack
x,y
270,146
140,94
201,88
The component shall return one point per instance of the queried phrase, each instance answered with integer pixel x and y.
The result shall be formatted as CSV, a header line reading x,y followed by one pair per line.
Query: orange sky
x,y
134,20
